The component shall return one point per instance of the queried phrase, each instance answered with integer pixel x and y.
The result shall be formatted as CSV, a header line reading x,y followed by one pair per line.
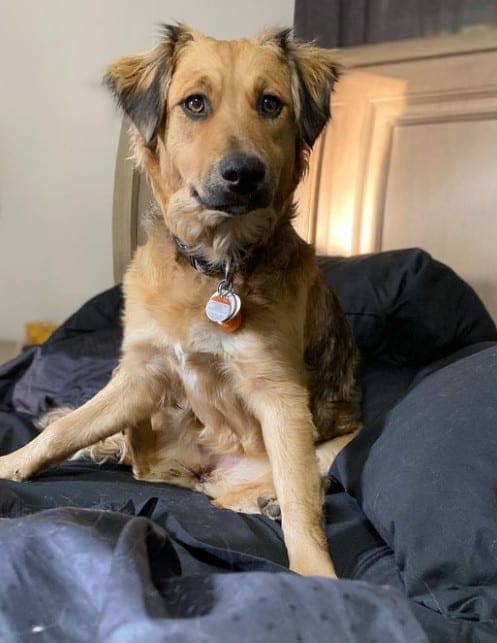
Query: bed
x,y
88,553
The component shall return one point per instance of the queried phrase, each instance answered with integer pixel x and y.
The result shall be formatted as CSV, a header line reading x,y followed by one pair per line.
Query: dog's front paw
x,y
12,469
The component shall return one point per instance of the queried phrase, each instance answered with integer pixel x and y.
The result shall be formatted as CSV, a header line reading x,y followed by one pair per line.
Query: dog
x,y
238,369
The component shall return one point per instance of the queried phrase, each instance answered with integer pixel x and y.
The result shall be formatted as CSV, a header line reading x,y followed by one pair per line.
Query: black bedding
x,y
89,554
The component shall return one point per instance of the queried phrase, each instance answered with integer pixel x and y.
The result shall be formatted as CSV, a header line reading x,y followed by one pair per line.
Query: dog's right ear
x,y
140,83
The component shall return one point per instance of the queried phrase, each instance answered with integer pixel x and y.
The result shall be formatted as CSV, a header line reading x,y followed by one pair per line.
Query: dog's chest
x,y
206,370
203,366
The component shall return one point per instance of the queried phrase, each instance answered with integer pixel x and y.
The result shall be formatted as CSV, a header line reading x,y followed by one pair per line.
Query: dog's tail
x,y
112,449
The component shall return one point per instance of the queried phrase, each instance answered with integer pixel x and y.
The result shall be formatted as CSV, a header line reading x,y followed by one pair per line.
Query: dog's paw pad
x,y
269,507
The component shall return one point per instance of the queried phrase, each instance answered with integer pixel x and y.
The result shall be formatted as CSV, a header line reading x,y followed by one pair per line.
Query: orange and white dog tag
x,y
220,308
224,309
224,306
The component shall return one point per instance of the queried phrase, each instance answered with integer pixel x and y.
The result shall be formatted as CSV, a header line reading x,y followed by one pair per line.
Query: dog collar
x,y
224,306
196,261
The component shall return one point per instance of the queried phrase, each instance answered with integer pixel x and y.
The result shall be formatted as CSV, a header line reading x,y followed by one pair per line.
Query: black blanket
x,y
88,553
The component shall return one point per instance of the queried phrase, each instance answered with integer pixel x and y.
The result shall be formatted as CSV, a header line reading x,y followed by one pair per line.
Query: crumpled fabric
x,y
87,575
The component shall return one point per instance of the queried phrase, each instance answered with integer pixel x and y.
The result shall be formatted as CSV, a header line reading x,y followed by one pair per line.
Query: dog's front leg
x,y
128,397
280,403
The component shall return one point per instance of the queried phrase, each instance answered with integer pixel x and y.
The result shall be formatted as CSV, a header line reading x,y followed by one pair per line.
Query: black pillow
x,y
425,475
102,312
406,308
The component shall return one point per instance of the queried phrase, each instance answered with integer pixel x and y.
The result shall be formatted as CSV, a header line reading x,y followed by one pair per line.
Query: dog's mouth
x,y
232,204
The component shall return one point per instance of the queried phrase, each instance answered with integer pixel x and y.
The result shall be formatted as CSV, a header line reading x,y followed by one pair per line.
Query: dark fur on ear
x,y
282,38
315,71
139,83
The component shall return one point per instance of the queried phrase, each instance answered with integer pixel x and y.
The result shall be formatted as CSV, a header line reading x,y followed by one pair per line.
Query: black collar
x,y
198,262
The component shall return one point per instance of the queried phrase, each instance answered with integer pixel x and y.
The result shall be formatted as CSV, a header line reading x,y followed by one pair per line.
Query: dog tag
x,y
236,302
232,324
220,308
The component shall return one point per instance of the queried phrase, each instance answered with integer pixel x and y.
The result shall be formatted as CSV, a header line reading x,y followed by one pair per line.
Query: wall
x,y
59,132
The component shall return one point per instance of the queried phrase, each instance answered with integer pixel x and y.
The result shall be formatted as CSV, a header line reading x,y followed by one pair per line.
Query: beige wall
x,y
58,137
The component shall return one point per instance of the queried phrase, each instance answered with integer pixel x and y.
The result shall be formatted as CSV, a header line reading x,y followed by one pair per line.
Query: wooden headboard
x,y
409,159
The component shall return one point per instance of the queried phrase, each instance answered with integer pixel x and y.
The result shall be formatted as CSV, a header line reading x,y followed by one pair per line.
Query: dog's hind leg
x,y
237,482
246,484
128,397
326,452
164,447
255,497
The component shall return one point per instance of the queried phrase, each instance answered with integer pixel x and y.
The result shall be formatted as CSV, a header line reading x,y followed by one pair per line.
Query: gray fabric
x,y
109,577
345,23
424,474
67,372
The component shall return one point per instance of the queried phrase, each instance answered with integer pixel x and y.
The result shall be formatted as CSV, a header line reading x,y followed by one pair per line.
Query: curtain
x,y
344,23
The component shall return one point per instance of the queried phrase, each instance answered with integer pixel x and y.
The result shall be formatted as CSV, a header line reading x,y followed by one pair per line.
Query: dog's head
x,y
223,127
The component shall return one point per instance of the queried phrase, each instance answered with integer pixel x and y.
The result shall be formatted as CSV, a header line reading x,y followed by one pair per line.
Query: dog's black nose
x,y
242,173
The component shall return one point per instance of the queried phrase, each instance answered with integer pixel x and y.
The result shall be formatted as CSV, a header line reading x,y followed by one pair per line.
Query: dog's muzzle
x,y
240,183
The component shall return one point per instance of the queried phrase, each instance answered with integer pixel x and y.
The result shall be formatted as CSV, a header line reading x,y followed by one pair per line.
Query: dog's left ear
x,y
140,83
314,73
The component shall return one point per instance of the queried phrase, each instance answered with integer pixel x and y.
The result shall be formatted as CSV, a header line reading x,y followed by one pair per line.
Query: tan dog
x,y
230,405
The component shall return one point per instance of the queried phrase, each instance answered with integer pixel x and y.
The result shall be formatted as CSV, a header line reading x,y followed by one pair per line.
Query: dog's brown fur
x,y
234,415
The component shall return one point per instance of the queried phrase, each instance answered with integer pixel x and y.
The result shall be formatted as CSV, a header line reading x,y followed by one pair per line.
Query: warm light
x,y
340,200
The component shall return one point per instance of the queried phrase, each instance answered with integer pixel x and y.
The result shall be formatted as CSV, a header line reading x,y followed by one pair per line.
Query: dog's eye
x,y
270,106
196,105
